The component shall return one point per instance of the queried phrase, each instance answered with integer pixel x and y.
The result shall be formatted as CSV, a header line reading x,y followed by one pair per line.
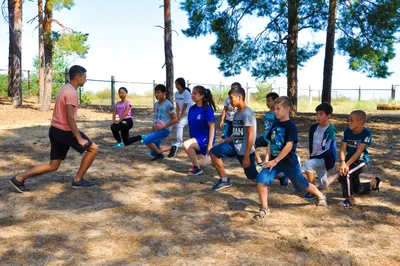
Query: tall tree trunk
x,y
291,55
14,60
41,52
48,55
329,53
169,63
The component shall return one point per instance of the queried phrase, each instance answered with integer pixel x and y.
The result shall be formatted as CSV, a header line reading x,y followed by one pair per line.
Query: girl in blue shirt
x,y
201,122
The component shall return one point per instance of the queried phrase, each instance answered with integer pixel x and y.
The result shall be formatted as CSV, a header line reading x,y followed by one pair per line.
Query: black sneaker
x,y
159,156
196,171
82,184
173,152
18,186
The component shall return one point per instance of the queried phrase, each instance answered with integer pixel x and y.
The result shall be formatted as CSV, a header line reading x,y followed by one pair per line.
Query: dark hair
x,y
75,71
123,88
325,107
236,84
273,95
284,101
160,87
207,99
360,114
182,83
238,91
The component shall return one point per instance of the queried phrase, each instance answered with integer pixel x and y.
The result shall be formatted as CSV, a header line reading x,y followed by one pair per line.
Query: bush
x,y
262,90
104,94
85,99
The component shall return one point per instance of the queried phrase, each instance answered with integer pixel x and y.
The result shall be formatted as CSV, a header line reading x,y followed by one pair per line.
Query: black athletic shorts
x,y
62,140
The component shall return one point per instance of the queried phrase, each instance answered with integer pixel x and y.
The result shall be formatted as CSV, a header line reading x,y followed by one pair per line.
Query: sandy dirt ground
x,y
153,213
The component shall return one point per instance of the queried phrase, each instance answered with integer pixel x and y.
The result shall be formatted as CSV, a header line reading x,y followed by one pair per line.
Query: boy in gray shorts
x,y
322,146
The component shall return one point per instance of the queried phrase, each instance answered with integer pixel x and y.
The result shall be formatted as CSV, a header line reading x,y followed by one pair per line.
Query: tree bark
x,y
291,54
41,52
14,60
329,53
48,55
169,63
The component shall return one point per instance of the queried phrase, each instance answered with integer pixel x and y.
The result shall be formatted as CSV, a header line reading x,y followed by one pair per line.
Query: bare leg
x,y
314,190
165,149
310,177
153,147
39,170
86,162
190,146
263,195
218,164
332,178
203,160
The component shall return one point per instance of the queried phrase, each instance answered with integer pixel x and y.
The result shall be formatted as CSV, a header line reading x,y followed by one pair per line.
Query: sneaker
x,y
221,184
159,156
283,181
18,186
82,184
322,201
143,137
119,145
196,171
309,196
173,151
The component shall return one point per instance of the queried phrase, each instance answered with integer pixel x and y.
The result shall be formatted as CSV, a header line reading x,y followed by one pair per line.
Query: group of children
x,y
196,109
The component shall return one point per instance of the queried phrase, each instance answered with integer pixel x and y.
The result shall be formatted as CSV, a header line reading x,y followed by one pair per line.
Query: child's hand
x,y
246,161
221,125
269,164
158,127
343,169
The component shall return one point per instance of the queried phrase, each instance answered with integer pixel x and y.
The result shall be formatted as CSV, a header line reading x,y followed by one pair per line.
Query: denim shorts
x,y
156,137
293,173
227,150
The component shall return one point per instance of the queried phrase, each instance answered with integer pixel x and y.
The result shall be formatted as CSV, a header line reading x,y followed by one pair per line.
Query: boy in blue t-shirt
x,y
240,144
354,157
164,118
269,120
281,157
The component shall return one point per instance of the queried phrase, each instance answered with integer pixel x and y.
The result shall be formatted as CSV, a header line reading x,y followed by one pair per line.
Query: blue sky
x,y
125,42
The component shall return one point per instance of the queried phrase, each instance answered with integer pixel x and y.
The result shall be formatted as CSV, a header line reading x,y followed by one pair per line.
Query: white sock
x,y
224,179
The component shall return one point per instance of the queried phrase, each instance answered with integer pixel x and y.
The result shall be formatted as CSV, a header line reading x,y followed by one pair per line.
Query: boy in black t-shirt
x,y
281,157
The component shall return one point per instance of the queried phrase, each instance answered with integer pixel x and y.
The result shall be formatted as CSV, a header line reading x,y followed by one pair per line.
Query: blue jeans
x,y
293,173
156,137
227,150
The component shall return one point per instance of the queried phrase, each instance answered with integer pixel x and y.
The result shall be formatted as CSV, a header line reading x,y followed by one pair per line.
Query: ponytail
x,y
208,100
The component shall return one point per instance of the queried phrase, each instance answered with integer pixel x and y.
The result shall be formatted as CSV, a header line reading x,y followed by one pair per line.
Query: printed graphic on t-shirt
x,y
238,131
277,141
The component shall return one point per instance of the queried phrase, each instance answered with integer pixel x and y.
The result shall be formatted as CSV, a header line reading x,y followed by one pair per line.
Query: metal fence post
x,y
359,93
393,96
112,90
29,82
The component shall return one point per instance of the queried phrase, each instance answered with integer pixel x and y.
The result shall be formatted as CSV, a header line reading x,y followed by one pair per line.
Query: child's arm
x,y
127,109
210,136
173,120
343,169
285,151
114,115
355,156
221,125
249,145
268,153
